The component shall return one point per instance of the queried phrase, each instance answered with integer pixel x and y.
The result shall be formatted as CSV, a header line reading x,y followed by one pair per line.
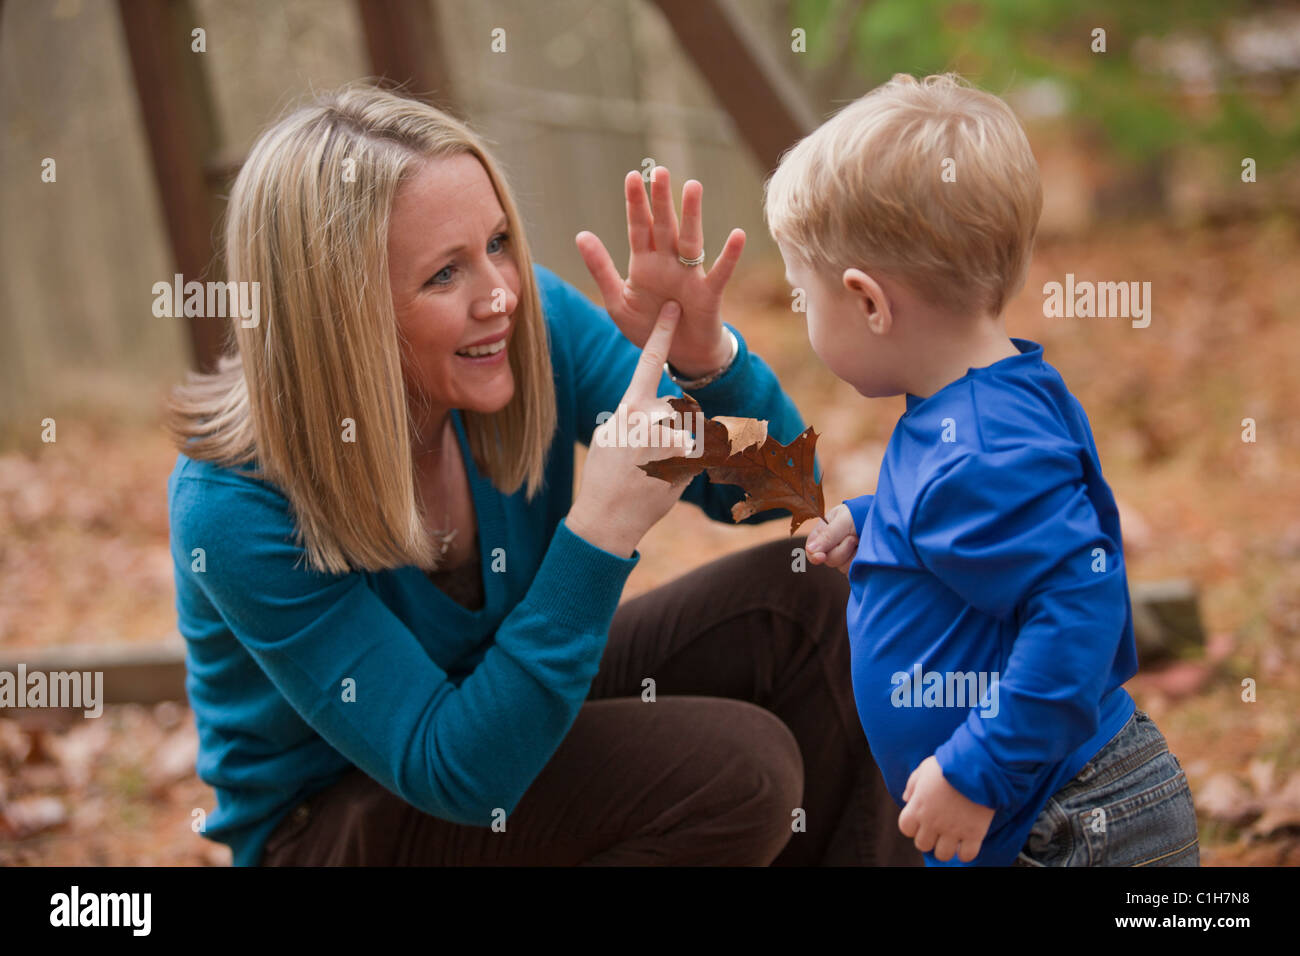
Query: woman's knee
x,y
757,783
772,750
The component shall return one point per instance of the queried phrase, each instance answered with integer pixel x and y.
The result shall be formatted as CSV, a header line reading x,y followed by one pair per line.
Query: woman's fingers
x,y
690,237
598,262
640,235
725,264
665,217
670,442
644,387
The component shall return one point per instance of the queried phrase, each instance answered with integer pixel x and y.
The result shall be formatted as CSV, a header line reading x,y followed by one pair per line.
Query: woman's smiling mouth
x,y
485,351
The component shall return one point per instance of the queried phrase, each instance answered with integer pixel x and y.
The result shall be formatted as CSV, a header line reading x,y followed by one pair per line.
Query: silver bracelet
x,y
712,376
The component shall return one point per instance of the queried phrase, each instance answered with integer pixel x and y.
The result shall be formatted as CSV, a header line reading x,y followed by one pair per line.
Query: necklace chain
x,y
446,535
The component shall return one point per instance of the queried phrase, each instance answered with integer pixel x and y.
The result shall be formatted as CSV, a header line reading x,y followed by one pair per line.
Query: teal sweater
x,y
297,676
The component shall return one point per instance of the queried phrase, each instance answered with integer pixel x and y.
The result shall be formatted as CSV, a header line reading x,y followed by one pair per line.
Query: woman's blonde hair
x,y
930,181
308,220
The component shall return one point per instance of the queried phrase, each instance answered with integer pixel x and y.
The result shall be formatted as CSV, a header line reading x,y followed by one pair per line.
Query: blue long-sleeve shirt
x,y
990,556
455,711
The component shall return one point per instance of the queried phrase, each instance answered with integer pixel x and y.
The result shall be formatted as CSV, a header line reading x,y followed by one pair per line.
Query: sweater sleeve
x,y
605,360
1015,535
362,680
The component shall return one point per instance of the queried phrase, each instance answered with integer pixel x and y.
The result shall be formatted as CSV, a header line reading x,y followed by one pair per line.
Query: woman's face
x,y
455,285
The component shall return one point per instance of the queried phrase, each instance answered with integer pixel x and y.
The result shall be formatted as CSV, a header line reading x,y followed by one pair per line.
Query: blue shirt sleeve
x,y
858,508
604,361
455,752
1014,534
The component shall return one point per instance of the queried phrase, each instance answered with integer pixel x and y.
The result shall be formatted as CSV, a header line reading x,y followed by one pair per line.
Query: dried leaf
x,y
1225,798
34,814
1262,774
1281,810
174,759
78,750
738,451
743,432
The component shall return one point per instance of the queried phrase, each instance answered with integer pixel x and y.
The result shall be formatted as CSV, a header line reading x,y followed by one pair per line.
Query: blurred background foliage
x,y
1218,72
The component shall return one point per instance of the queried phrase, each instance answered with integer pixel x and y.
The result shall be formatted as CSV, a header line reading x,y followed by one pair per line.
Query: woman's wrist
x,y
599,534
698,377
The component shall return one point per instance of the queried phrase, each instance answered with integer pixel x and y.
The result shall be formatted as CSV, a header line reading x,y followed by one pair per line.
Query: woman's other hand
x,y
655,275
617,502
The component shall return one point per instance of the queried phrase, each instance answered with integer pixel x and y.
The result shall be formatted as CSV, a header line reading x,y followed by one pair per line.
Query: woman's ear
x,y
870,299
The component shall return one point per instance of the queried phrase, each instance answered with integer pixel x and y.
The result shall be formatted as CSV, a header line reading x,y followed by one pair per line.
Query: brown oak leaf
x,y
739,451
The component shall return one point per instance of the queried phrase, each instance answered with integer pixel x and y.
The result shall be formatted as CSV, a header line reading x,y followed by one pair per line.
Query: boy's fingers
x,y
842,517
945,847
843,552
925,838
967,850
907,822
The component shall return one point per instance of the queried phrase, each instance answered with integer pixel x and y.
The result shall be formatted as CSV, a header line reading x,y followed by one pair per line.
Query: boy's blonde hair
x,y
308,219
867,190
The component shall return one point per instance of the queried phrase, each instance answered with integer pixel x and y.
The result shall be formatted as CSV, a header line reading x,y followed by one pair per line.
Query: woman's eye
x,y
495,245
442,276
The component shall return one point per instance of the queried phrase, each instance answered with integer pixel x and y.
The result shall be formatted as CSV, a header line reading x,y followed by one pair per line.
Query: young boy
x,y
990,622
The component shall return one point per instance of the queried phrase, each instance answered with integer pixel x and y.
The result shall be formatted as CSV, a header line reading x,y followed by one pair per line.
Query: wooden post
x,y
404,42
765,103
181,126
133,672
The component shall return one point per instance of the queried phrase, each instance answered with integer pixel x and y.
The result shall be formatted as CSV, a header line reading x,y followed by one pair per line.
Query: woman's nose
x,y
497,297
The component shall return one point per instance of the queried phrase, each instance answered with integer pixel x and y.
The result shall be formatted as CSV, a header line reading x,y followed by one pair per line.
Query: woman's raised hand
x,y
656,275
617,502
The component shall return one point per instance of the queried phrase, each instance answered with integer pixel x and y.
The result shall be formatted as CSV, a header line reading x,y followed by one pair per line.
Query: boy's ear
x,y
870,299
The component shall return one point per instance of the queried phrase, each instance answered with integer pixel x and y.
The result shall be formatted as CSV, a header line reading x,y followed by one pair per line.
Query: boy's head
x,y
922,199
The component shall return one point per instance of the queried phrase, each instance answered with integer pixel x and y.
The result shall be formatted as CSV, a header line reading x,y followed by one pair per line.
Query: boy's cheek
x,y
829,346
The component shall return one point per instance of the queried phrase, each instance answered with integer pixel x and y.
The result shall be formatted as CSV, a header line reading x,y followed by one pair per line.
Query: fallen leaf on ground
x,y
32,814
1282,811
174,759
1225,798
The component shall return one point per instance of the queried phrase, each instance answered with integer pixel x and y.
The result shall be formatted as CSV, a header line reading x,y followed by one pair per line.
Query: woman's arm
x,y
456,752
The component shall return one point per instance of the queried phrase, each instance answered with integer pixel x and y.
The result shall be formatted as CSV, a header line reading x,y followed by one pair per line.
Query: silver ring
x,y
697,261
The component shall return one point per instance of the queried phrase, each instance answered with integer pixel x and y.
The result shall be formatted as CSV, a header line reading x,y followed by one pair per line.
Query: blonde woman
x,y
405,641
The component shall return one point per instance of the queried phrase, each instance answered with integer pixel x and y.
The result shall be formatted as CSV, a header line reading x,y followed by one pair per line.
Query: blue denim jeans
x,y
1128,806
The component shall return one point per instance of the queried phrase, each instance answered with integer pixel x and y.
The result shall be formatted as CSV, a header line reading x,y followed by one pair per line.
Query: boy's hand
x,y
833,542
939,817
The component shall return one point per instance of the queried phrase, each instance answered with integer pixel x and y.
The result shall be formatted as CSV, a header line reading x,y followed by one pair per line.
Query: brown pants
x,y
753,722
